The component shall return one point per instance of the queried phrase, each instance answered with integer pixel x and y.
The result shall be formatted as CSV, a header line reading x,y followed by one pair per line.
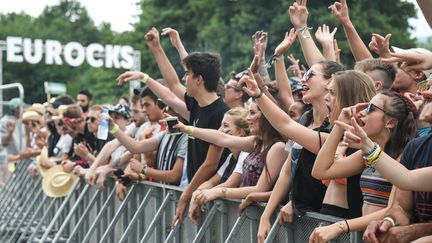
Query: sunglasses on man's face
x,y
423,85
91,119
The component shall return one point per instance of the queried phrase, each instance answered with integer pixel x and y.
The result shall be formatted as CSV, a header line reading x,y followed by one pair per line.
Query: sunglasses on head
x,y
91,119
423,85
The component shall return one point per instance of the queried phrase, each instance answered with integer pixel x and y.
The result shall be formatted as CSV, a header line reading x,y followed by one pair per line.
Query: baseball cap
x,y
14,103
120,109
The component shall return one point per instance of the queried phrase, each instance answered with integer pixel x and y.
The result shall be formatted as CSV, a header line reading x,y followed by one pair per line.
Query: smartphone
x,y
171,121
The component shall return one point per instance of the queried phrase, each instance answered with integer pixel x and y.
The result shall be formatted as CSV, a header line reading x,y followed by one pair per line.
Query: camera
x,y
171,121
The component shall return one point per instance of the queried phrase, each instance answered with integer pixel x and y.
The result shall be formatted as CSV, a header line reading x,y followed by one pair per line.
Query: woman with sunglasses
x,y
389,120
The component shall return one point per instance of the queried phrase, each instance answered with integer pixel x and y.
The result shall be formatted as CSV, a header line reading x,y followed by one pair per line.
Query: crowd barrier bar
x,y
90,215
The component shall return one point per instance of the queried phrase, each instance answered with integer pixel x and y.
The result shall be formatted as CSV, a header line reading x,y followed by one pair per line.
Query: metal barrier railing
x,y
89,215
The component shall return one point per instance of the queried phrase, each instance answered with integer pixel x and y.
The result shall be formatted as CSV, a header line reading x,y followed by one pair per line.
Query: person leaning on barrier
x,y
389,119
138,119
409,206
73,123
235,123
170,153
260,168
206,110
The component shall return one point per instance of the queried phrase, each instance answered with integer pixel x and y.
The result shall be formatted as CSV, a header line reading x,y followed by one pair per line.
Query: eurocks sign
x,y
52,52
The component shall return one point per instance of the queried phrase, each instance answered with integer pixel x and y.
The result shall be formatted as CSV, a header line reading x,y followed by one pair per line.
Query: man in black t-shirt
x,y
205,107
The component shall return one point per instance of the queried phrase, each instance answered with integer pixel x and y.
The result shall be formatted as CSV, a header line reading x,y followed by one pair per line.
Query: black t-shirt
x,y
87,138
203,117
418,154
308,192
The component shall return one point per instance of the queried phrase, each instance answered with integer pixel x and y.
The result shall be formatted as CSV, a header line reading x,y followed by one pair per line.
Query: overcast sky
x,y
120,13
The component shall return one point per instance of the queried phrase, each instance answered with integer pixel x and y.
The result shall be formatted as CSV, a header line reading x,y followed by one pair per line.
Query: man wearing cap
x,y
11,135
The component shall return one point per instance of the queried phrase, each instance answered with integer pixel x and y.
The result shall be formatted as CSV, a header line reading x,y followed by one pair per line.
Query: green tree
x,y
226,26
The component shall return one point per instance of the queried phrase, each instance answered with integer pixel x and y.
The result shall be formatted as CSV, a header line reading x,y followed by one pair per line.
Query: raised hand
x,y
259,55
286,43
128,76
260,37
340,11
355,136
183,128
152,39
299,14
173,35
324,36
380,45
418,60
251,87
295,66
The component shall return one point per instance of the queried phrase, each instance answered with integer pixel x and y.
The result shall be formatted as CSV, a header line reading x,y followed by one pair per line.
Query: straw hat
x,y
42,157
58,183
32,116
39,108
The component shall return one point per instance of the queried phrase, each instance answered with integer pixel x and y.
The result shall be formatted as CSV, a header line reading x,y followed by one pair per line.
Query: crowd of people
x,y
347,142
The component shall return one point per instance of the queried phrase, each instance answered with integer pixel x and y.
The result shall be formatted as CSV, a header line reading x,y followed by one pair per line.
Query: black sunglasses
x,y
371,107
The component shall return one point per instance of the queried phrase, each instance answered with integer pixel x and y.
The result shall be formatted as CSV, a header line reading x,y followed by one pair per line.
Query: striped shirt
x,y
375,188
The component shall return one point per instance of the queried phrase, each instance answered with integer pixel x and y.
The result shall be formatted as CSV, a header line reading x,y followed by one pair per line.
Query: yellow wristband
x,y
189,130
371,160
115,129
145,78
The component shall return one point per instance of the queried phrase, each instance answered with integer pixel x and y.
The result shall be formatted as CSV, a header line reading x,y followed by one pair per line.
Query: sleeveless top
x,y
375,188
252,167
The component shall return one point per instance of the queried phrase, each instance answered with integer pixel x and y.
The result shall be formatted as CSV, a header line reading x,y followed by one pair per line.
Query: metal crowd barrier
x,y
90,215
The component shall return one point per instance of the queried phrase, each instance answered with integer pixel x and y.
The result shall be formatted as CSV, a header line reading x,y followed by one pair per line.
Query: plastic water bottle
x,y
103,125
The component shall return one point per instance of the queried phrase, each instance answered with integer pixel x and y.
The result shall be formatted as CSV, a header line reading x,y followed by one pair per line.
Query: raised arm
x,y
380,45
161,91
167,70
280,120
330,165
298,16
259,42
176,42
280,72
169,98
358,48
136,147
219,138
326,38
